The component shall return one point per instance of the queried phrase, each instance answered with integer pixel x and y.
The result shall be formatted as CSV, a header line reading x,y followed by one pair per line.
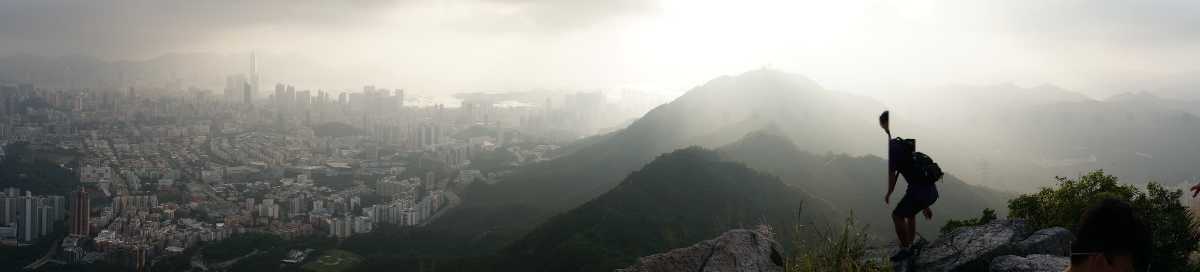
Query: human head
x,y
883,122
1110,237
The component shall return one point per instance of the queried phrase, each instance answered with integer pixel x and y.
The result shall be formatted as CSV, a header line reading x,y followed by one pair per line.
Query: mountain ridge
x,y
678,199
824,118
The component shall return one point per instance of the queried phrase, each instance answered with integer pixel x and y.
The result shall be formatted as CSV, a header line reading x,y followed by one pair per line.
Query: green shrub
x,y
843,249
1170,223
987,216
1171,226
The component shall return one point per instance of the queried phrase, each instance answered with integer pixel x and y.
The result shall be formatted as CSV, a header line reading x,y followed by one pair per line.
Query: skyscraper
x,y
279,92
233,88
8,97
247,93
399,98
27,217
44,217
59,205
253,78
8,209
80,215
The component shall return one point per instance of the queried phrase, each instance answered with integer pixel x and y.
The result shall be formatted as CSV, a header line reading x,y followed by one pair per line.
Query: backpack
x,y
926,167
918,166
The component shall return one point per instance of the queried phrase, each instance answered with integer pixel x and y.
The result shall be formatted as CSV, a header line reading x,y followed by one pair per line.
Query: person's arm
x,y
892,176
1195,190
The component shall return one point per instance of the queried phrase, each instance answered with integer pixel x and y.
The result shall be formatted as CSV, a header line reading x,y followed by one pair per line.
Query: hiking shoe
x,y
903,254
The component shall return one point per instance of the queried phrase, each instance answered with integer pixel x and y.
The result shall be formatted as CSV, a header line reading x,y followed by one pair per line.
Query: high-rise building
x,y
27,218
399,98
234,88
426,135
45,217
8,209
8,97
34,216
341,227
279,92
302,99
58,205
128,203
247,93
298,205
253,80
80,213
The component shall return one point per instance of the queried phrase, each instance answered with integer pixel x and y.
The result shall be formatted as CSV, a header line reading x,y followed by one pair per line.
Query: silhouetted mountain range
x,y
716,113
680,198
855,184
1019,138
689,194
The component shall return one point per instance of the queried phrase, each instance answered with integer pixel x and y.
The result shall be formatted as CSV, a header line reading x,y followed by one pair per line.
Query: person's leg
x,y
921,200
901,230
911,229
902,216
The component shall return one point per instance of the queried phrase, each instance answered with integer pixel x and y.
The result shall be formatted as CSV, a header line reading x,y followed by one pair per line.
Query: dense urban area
x,y
133,178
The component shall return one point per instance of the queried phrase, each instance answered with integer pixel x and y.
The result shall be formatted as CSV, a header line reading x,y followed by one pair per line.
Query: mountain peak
x,y
1133,97
755,85
690,195
771,135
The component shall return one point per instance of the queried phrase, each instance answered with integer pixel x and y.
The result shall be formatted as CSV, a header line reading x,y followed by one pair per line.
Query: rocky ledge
x,y
1001,245
735,250
998,246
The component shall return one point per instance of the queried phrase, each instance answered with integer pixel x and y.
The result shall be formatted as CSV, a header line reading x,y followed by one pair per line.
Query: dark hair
x,y
1113,228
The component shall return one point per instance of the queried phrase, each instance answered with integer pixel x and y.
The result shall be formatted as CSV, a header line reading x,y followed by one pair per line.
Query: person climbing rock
x,y
921,174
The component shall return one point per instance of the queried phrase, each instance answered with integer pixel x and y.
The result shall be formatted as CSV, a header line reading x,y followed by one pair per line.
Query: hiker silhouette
x,y
920,173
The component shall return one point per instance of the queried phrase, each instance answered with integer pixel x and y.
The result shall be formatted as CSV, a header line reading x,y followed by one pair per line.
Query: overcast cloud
x,y
1095,47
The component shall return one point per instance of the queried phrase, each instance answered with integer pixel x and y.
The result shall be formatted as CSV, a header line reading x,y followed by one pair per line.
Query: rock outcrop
x,y
735,250
998,246
978,248
971,248
1031,263
1051,241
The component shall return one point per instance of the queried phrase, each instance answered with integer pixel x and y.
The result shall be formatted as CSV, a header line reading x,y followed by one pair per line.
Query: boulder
x,y
883,255
1031,263
972,248
735,250
1051,241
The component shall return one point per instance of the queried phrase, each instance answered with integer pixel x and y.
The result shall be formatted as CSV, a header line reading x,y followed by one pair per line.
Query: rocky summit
x,y
1032,262
735,250
1000,245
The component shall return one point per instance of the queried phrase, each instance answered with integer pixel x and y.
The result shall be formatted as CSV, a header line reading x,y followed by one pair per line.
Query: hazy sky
x,y
1095,47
